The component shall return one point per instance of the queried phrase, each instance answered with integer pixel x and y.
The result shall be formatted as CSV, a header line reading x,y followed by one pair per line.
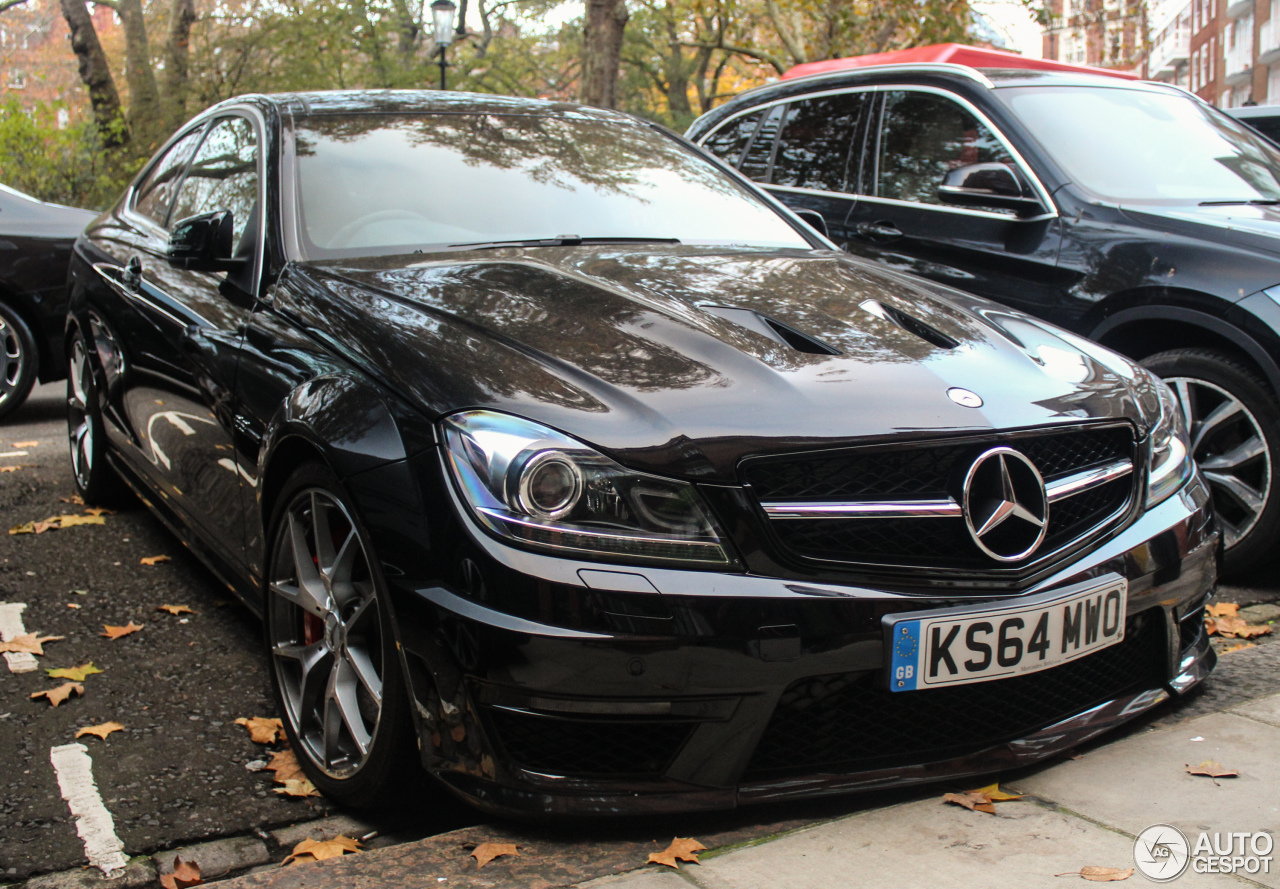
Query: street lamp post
x,y
442,22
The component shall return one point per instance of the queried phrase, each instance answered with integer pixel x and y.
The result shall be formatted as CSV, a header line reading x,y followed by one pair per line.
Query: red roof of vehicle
x,y
954,53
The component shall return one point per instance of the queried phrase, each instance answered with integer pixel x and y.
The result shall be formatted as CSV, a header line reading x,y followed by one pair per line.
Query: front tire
x,y
334,664
19,360
1234,422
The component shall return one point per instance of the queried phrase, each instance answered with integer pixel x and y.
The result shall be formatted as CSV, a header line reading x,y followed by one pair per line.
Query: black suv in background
x,y
1263,118
1132,213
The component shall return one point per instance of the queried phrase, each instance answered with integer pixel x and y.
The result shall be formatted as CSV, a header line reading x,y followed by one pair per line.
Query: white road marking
x,y
11,626
14,454
93,822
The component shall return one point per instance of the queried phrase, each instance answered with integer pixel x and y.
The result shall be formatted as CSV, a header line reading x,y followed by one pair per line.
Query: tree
x,y
606,21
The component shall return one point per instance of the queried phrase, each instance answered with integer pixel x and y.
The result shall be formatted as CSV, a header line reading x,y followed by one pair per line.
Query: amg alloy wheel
x,y
18,360
334,665
1235,436
96,482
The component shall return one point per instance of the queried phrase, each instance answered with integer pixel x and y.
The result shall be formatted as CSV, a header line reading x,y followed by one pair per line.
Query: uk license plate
x,y
957,646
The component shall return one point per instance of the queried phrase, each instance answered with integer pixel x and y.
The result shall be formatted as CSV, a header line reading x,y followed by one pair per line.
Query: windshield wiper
x,y
1258,203
560,241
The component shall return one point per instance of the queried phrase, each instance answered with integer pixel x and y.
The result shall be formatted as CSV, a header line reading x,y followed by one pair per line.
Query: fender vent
x,y
772,328
909,324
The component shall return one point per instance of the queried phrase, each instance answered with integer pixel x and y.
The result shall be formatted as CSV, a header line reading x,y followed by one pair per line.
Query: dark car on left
x,y
35,246
563,460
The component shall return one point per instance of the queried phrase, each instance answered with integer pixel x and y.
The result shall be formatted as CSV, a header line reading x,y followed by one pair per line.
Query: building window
x,y
64,118
17,79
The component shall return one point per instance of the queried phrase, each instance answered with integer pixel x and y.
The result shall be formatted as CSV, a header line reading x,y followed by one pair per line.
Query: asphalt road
x,y
176,773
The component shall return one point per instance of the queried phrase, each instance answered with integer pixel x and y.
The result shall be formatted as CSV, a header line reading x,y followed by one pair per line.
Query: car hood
x,y
1251,227
683,359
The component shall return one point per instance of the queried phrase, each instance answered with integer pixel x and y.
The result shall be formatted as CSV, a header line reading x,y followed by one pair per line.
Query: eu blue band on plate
x,y
906,656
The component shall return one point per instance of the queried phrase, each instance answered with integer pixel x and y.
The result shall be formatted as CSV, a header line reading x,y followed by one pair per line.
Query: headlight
x,y
1170,449
540,488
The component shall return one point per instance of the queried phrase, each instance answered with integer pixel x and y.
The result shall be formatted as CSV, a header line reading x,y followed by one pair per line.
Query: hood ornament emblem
x,y
964,397
1006,507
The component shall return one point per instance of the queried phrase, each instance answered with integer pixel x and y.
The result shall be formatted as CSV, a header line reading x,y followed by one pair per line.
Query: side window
x,y
922,137
813,147
154,192
757,161
728,142
223,176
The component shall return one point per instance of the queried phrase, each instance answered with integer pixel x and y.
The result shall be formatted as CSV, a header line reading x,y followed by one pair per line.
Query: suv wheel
x,y
18,360
1235,438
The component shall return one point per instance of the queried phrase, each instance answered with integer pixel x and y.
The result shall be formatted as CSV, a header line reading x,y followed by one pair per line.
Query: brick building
x,y
1226,51
1101,33
37,65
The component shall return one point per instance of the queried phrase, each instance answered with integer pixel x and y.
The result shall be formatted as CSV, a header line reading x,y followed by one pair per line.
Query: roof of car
x,y
410,101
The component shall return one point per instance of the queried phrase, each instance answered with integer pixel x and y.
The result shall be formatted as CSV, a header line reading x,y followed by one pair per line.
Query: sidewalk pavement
x,y
1078,812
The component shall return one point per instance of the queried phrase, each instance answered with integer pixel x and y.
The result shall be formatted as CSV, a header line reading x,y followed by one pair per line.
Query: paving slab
x,y
928,844
1264,710
640,880
1142,780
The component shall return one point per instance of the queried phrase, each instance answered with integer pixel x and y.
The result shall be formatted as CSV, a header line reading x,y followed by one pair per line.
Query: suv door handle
x,y
878,231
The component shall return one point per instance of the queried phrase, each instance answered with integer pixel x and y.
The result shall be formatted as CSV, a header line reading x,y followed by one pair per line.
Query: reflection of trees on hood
x,y
610,155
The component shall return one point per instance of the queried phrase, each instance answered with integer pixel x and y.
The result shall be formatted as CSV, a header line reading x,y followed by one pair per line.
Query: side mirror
x,y
987,185
203,243
814,219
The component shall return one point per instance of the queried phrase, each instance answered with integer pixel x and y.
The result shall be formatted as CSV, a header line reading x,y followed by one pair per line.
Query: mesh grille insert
x,y
850,722
589,748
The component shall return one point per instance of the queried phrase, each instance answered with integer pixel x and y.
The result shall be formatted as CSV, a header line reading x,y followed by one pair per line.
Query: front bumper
x,y
547,687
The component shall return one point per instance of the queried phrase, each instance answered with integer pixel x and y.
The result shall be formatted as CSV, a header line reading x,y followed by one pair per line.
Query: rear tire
x,y
96,482
19,360
335,668
1234,422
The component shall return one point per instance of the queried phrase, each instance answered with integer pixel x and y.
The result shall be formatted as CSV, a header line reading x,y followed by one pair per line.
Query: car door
x,y
919,135
182,331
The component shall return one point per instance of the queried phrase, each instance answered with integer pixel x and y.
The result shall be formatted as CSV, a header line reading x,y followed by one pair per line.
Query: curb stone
x,y
140,871
217,858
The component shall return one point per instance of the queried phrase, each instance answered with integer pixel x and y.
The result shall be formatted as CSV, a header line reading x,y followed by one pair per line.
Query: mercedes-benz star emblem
x,y
964,397
1005,505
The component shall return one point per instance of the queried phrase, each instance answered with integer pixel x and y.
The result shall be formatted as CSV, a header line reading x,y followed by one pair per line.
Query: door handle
x,y
131,277
878,231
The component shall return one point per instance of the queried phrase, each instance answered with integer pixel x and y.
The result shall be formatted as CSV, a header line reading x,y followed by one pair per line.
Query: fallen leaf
x,y
25,444
1222,609
9,468
974,802
57,695
175,609
73,604
262,730
1235,626
995,794
100,730
100,511
31,643
297,787
486,852
185,873
285,766
1100,874
74,498
78,674
117,632
1239,646
153,560
319,850
70,521
24,528
1211,769
681,849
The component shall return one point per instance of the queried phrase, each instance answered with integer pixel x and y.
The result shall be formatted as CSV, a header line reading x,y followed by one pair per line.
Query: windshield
x,y
1137,144
372,184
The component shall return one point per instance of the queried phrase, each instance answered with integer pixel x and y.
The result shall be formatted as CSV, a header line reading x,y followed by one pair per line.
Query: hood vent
x,y
772,328
909,324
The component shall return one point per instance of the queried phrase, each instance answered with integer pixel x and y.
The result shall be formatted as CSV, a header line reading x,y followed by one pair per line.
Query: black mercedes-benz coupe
x,y
560,457
35,246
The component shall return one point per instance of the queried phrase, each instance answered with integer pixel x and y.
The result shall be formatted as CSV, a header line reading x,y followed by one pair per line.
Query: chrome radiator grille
x,y
915,505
